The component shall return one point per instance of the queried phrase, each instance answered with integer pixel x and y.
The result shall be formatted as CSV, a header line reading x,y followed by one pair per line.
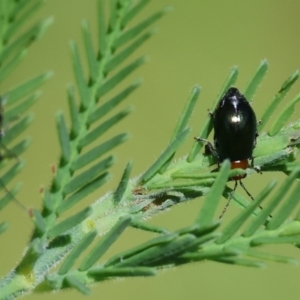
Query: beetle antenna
x,y
228,201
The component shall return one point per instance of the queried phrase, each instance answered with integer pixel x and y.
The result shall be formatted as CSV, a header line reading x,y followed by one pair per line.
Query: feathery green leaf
x,y
286,209
76,252
256,80
101,28
212,200
17,129
134,11
18,21
98,151
272,257
20,109
266,240
164,156
268,209
3,227
124,54
102,128
112,82
286,86
283,117
27,38
158,241
39,221
69,223
148,227
119,192
90,54
6,70
112,103
77,284
187,112
156,254
130,34
99,273
63,138
11,173
83,192
240,262
79,75
73,111
87,176
27,87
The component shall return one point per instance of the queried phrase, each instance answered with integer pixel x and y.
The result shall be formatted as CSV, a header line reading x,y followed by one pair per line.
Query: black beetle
x,y
235,134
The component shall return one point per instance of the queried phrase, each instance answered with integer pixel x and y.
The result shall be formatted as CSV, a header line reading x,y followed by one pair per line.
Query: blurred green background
x,y
197,43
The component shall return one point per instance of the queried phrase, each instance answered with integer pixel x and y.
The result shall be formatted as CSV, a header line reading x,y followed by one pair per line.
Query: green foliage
x,y
14,104
74,241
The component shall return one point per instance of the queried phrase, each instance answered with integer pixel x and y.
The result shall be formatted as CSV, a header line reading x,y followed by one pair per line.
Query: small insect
x,y
235,134
8,151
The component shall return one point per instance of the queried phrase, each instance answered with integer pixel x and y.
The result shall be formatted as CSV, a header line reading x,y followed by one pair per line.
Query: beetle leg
x,y
209,148
228,201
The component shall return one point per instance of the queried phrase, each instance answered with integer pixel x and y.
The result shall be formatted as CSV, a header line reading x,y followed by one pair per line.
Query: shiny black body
x,y
235,127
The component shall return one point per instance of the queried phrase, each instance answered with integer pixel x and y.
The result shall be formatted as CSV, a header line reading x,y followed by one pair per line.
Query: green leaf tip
x,y
83,192
113,102
133,32
211,202
27,87
113,81
104,127
69,223
11,173
289,205
39,221
283,117
76,252
79,75
7,69
116,60
87,176
156,254
280,95
63,137
92,155
164,157
44,26
3,227
119,192
90,53
77,284
271,257
134,11
187,112
102,273
256,80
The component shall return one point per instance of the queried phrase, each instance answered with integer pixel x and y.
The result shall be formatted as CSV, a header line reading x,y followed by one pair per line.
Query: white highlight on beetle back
x,y
236,119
